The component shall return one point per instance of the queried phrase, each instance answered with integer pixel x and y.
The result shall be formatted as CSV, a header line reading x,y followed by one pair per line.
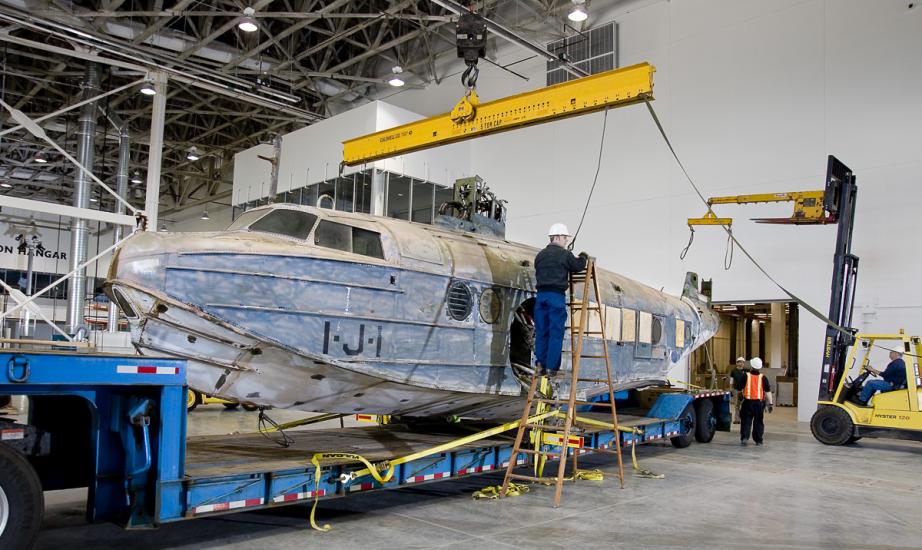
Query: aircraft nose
x,y
140,259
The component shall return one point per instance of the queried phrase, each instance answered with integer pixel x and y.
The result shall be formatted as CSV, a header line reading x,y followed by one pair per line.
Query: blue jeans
x,y
873,386
550,319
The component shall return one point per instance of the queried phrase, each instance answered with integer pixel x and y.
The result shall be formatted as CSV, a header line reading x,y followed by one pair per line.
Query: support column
x,y
76,287
155,156
121,187
779,324
378,192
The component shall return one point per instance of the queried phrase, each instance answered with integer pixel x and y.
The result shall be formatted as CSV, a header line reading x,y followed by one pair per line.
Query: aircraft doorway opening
x,y
764,329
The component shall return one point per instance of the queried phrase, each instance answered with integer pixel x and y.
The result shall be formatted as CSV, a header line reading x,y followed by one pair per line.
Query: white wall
x,y
754,95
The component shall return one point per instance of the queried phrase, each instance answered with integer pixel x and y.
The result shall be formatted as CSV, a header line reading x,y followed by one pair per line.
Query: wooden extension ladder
x,y
580,309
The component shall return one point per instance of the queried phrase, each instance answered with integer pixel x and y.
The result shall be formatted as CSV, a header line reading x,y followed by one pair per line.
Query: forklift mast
x,y
839,201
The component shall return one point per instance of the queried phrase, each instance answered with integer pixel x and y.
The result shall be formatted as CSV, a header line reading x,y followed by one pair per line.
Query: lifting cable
x,y
595,179
731,239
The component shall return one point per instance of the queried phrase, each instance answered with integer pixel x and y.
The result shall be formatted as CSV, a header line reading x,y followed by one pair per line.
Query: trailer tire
x,y
231,406
707,422
193,400
689,423
250,407
832,425
21,500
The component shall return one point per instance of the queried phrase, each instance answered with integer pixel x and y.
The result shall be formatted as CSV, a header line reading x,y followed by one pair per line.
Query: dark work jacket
x,y
895,373
553,266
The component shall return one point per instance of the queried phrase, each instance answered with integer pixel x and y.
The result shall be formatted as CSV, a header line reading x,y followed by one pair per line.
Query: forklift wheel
x,y
21,500
832,425
249,407
193,400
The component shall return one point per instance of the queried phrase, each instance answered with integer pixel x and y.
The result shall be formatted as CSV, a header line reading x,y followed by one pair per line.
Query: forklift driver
x,y
894,378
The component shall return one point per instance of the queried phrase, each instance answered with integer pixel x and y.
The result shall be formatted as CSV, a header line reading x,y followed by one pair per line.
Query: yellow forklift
x,y
843,419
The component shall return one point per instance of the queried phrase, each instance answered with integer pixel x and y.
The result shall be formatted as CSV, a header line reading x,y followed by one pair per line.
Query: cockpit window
x,y
292,223
348,239
246,219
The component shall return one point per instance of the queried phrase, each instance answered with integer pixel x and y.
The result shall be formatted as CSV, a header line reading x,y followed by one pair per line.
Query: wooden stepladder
x,y
582,305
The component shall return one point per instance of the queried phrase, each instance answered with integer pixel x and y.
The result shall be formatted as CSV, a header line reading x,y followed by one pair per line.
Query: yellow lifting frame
x,y
808,207
470,119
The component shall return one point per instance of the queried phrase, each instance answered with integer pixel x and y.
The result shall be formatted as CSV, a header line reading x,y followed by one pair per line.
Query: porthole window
x,y
491,306
460,301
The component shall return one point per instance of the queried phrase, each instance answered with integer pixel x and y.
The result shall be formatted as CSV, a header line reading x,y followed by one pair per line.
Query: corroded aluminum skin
x,y
272,320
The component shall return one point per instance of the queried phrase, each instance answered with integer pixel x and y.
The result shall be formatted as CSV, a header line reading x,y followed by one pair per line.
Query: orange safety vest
x,y
753,389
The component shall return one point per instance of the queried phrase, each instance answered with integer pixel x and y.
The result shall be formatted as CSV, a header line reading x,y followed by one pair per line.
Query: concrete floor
x,y
791,493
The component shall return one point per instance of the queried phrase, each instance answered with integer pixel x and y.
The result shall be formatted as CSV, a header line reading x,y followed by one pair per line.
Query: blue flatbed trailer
x,y
117,425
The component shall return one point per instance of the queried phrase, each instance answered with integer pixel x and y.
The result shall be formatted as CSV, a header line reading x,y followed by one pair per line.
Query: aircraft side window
x,y
348,239
645,328
292,223
679,333
367,243
629,325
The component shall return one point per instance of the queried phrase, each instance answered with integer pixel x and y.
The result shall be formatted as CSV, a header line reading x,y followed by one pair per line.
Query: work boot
x,y
743,442
758,443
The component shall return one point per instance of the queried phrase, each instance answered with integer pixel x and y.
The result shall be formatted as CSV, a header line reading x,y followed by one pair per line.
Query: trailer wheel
x,y
832,426
250,407
21,500
688,421
193,400
707,422
231,406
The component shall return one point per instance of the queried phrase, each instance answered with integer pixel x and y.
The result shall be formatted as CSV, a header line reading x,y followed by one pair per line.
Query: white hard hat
x,y
755,363
738,359
558,229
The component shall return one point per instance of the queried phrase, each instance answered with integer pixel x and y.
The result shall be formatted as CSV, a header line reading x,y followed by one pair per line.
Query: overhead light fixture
x,y
163,227
148,88
578,15
395,80
205,214
40,158
136,177
192,154
94,199
247,23
6,185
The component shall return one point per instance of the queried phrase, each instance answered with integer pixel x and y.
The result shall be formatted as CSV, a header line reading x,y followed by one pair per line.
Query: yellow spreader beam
x,y
470,119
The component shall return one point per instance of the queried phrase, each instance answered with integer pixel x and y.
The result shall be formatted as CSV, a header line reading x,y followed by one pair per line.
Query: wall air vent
x,y
595,51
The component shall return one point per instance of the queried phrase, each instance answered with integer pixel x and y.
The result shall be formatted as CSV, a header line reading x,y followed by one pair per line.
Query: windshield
x,y
349,239
246,219
292,223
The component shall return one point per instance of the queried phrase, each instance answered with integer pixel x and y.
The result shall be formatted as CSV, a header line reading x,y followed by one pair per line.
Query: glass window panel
x,y
443,195
326,194
345,191
310,194
334,235
363,192
246,219
292,223
422,201
367,243
398,196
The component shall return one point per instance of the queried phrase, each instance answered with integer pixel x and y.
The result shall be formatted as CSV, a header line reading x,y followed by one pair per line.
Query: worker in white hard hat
x,y
553,266
757,395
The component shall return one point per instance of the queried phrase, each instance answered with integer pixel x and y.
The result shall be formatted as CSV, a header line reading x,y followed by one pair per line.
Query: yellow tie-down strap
x,y
391,466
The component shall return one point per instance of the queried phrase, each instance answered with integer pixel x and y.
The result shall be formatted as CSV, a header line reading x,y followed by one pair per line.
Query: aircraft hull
x,y
265,322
